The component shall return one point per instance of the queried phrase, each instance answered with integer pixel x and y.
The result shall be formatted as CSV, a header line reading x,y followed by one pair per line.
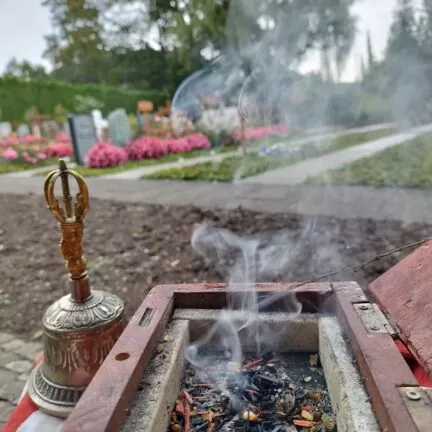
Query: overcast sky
x,y
23,24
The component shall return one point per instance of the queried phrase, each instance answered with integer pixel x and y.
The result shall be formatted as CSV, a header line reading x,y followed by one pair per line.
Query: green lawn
x,y
7,167
253,164
407,165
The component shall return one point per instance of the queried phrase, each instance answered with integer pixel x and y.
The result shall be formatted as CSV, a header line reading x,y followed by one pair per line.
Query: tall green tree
x,y
370,54
406,67
76,48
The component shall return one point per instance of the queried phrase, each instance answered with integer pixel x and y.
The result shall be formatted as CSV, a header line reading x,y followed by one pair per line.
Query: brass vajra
x,y
70,216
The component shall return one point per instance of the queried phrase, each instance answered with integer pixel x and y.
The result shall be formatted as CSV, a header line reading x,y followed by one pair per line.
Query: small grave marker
x,y
83,133
119,128
23,130
5,129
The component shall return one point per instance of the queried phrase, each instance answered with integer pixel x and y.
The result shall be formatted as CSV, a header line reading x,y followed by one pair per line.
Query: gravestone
x,y
83,133
119,128
99,122
23,130
5,129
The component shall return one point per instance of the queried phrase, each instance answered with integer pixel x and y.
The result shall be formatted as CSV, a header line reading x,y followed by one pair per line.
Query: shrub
x,y
28,139
28,156
58,150
10,154
198,141
17,95
146,148
178,145
10,141
103,154
63,138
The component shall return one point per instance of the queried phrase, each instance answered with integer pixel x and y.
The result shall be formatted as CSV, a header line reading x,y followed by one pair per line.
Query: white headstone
x,y
99,122
5,129
23,130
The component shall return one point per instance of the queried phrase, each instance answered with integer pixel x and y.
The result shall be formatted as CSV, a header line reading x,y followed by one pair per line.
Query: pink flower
x,y
63,138
58,150
104,154
198,141
10,141
41,156
32,139
261,132
10,154
151,147
146,148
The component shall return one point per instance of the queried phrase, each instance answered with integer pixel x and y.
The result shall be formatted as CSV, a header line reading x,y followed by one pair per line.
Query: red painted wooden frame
x,y
104,405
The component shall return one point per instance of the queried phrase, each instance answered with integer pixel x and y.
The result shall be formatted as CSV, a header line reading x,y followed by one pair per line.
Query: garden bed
x,y
408,165
131,247
238,167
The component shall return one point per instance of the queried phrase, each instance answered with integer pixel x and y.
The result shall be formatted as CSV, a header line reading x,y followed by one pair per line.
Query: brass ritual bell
x,y
79,329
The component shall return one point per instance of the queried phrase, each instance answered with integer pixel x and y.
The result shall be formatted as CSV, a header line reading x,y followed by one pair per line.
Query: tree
x,y
370,55
25,69
407,68
76,49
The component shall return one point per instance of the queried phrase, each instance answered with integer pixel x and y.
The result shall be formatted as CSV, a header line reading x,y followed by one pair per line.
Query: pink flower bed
x,y
260,132
104,154
10,154
10,141
29,139
16,154
150,147
146,148
63,138
58,150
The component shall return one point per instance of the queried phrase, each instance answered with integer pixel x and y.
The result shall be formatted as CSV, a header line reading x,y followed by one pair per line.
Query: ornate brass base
x,y
51,398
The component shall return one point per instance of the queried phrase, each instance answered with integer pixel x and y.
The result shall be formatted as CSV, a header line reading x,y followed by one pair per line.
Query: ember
x,y
273,393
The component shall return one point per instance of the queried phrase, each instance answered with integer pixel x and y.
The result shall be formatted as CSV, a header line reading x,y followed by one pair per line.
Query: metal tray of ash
x,y
279,372
271,392
145,378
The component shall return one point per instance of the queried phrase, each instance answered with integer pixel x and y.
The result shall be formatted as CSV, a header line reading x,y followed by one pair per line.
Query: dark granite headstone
x,y
84,135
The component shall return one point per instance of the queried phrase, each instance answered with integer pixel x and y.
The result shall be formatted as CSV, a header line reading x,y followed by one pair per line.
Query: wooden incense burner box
x,y
403,310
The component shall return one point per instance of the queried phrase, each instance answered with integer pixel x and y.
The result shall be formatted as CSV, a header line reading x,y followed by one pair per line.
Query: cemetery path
x,y
298,173
347,202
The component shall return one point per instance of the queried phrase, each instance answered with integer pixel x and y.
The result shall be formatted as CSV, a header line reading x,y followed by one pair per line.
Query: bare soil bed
x,y
132,247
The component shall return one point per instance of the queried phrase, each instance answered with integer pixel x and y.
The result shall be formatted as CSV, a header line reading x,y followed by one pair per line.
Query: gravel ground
x,y
132,247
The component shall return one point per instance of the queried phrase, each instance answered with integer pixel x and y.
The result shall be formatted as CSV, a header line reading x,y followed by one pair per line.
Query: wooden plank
x,y
103,405
404,294
382,367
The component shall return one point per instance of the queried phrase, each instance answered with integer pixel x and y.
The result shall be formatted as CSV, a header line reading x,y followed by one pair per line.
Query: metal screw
x,y
360,297
375,328
364,307
413,395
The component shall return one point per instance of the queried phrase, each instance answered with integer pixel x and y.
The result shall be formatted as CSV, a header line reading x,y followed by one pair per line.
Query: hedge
x,y
17,96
